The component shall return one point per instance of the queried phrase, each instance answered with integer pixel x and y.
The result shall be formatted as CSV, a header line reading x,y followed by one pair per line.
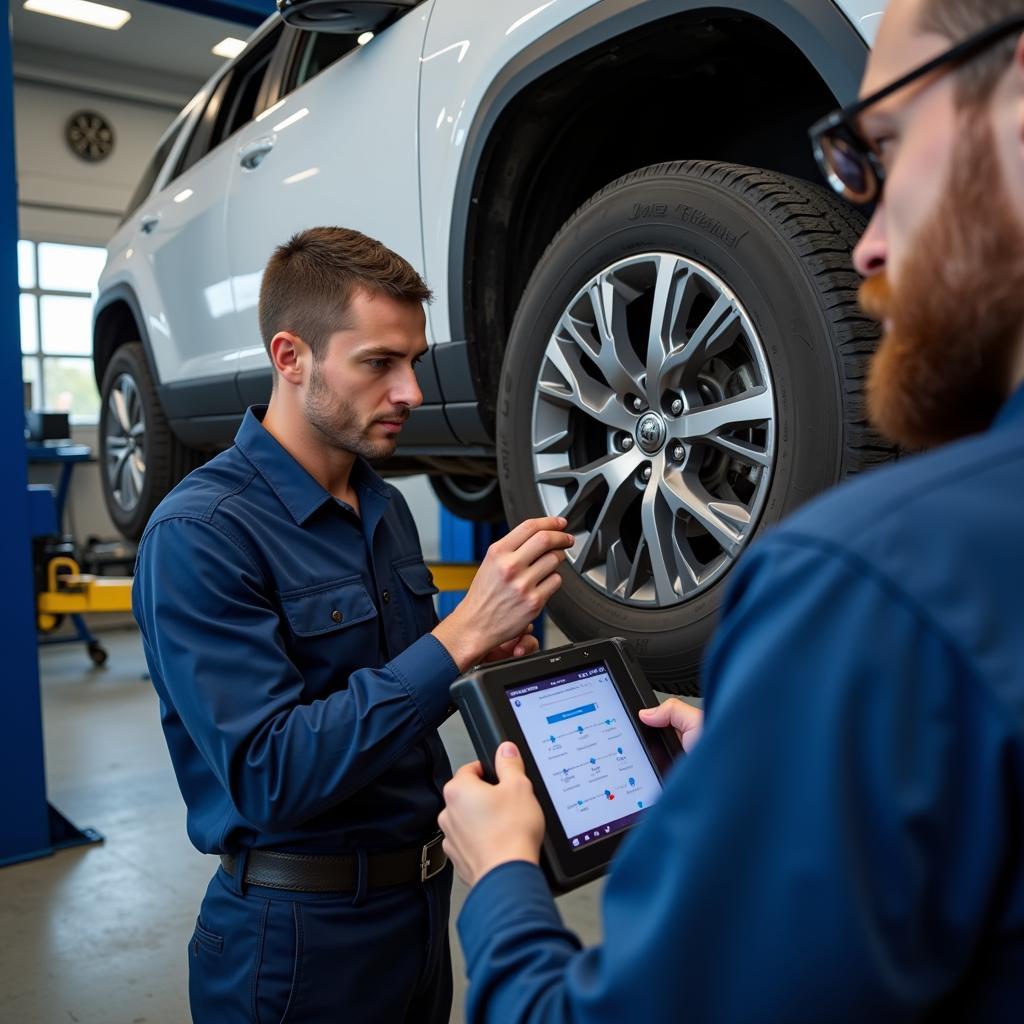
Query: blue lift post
x,y
24,822
29,826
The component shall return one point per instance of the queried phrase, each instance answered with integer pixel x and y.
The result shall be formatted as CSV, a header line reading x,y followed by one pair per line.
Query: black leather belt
x,y
302,872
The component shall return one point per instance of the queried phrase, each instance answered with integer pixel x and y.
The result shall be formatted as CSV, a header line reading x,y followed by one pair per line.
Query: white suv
x,y
645,317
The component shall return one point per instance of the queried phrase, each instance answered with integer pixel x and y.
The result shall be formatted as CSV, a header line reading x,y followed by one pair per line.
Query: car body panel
x,y
320,170
397,164
475,63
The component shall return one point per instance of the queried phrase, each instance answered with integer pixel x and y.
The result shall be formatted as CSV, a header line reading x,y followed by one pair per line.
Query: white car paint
x,y
375,142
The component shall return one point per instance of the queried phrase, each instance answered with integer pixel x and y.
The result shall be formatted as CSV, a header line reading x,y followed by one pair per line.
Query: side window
x,y
199,144
233,102
149,175
315,52
245,90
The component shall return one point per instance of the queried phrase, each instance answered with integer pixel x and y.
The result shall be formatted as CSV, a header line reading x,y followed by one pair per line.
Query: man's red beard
x,y
956,319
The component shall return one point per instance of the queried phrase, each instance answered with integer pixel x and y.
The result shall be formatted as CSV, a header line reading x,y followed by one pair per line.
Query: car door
x,y
182,237
338,148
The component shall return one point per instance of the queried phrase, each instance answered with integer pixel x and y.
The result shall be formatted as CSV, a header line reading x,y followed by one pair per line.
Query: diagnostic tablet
x,y
595,768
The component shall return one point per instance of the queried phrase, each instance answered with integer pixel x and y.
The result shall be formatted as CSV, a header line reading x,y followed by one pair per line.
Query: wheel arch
x,y
532,155
117,320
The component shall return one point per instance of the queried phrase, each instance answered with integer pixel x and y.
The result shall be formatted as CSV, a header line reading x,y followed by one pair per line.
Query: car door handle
x,y
149,222
251,156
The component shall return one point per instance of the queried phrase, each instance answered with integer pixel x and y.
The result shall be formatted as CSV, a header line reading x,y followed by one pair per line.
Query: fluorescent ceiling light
x,y
229,47
363,38
98,15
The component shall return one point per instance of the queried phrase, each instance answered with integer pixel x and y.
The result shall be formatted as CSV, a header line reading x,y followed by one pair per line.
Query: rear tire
x,y
778,250
140,458
476,498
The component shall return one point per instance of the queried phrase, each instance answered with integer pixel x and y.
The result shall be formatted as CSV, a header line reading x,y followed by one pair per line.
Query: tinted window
x,y
245,90
199,144
232,102
149,175
316,51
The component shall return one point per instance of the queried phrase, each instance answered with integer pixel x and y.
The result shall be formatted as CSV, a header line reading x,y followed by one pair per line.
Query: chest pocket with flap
x,y
420,590
327,607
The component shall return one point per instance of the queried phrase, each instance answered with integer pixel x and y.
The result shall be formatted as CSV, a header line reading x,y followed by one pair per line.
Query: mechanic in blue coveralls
x,y
845,842
289,627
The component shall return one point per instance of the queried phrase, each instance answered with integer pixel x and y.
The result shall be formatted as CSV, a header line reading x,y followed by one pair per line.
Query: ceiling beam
x,y
245,12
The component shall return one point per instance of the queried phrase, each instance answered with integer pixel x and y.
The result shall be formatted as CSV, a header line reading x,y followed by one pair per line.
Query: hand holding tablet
x,y
595,768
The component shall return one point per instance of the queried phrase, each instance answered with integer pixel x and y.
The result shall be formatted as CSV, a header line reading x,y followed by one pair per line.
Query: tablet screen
x,y
588,752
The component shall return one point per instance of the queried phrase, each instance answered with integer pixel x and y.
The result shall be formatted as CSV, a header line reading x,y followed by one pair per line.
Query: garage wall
x,y
61,197
65,199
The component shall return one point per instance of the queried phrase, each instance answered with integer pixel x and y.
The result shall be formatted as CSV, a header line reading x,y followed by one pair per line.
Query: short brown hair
x,y
309,283
957,20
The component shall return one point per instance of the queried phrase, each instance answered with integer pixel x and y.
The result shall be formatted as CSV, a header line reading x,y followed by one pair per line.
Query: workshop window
x,y
57,283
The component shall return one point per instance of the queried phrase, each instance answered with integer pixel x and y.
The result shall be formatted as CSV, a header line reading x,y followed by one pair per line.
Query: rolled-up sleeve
x,y
213,643
830,851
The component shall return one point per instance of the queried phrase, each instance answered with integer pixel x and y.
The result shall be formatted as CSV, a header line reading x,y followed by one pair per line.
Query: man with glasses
x,y
846,840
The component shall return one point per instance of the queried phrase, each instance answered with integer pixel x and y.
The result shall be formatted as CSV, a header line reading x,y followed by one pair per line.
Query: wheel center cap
x,y
651,432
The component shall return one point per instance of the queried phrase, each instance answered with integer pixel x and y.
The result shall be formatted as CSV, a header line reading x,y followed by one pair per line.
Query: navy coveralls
x,y
846,842
300,697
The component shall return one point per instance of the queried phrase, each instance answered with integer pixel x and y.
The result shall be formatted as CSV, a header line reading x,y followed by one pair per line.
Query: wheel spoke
x,y
135,473
123,483
754,407
658,521
119,459
713,334
616,358
119,407
552,444
580,390
620,492
745,451
668,296
726,521
617,565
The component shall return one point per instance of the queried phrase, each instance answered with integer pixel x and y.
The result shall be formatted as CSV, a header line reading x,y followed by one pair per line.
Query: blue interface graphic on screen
x,y
589,755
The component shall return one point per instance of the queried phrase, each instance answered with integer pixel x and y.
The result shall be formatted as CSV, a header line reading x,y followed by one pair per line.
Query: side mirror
x,y
342,16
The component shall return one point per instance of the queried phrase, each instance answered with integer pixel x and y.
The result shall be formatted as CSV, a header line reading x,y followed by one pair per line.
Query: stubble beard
x,y
337,422
945,364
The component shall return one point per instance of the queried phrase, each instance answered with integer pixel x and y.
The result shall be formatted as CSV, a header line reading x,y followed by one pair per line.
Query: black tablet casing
x,y
480,698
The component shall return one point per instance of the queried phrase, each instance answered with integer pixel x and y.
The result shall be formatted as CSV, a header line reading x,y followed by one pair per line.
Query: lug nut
x,y
638,403
678,453
645,473
625,443
677,407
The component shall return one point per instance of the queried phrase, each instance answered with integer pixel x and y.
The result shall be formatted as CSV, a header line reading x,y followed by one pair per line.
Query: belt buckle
x,y
426,869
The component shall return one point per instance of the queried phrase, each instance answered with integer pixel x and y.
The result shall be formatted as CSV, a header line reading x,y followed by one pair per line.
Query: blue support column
x,y
24,817
29,826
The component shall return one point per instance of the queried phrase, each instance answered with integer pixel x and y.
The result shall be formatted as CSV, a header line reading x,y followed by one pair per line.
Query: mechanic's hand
x,y
486,825
517,576
686,720
515,648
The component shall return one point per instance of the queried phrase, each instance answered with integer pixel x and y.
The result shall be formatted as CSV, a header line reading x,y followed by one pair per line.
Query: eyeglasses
x,y
846,159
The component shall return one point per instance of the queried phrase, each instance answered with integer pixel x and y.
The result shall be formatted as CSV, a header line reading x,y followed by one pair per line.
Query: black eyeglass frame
x,y
841,123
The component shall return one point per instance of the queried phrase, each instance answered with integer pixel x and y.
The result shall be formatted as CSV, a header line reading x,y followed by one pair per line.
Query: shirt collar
x,y
1012,409
300,494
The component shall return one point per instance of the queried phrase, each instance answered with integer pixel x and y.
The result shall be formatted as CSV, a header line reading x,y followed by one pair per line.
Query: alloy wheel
x,y
654,428
125,442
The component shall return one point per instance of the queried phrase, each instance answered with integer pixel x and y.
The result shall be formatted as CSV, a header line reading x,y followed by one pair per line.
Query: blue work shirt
x,y
285,635
846,841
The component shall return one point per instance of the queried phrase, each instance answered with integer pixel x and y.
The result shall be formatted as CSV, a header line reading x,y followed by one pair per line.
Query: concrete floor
x,y
97,934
